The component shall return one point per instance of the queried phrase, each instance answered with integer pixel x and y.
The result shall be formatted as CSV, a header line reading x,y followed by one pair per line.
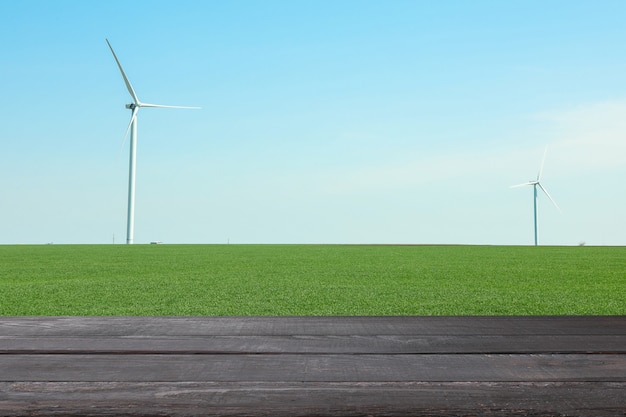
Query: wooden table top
x,y
313,366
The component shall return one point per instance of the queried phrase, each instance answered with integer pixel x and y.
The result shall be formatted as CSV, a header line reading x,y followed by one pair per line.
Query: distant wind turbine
x,y
536,184
132,127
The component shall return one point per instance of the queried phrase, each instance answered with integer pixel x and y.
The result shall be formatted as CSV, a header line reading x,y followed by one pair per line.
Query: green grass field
x,y
311,280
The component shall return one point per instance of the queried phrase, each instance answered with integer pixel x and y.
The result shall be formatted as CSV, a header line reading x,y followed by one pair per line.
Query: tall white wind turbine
x,y
536,183
132,126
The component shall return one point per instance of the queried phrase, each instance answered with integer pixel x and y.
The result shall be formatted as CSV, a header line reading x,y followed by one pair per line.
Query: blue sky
x,y
321,121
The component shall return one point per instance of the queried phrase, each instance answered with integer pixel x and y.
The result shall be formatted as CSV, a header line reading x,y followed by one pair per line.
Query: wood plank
x,y
314,368
354,344
277,326
396,399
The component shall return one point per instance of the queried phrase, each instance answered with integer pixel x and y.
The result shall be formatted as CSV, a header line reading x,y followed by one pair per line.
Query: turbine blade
x,y
551,199
162,106
545,152
522,185
128,85
132,119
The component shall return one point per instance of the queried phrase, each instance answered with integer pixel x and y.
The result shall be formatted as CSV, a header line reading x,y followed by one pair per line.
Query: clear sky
x,y
321,121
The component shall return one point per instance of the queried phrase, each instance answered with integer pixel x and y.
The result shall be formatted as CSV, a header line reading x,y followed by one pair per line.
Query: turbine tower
x,y
536,183
132,127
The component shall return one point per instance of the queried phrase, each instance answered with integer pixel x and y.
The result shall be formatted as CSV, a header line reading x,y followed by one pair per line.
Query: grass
x,y
311,280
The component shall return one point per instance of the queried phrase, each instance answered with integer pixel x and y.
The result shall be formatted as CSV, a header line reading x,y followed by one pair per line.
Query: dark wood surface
x,y
313,366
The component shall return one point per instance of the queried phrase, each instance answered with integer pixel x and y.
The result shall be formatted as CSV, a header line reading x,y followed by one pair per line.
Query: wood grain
x,y
313,366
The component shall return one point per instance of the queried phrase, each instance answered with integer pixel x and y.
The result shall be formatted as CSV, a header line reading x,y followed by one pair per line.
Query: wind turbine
x,y
536,183
132,127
